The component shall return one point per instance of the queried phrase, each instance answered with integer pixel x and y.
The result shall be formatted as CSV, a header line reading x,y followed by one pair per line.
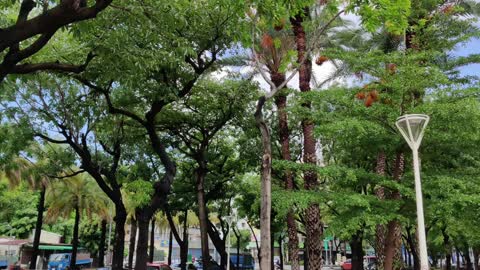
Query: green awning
x,y
49,247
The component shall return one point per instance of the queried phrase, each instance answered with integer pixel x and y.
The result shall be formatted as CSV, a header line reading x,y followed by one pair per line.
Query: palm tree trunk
x,y
38,228
143,222
170,247
152,241
380,229
101,245
312,214
394,235
284,136
133,240
73,261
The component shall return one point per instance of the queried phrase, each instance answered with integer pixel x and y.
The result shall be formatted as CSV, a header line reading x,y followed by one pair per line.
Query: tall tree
x,y
196,122
23,37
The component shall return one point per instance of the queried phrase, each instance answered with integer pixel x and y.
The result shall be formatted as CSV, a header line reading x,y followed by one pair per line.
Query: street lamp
x,y
412,127
229,220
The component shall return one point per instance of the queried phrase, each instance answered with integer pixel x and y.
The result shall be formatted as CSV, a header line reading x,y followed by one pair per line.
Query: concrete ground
x,y
326,267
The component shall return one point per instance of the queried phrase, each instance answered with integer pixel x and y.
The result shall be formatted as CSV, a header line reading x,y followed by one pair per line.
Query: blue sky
x,y
472,47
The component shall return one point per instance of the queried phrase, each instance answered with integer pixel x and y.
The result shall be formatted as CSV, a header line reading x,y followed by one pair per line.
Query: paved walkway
x,y
326,267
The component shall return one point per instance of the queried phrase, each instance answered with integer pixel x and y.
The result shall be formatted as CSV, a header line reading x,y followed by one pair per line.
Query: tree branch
x,y
52,66
46,138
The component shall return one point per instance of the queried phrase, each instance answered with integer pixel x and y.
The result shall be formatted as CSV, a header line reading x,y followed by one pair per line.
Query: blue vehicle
x,y
245,261
3,263
60,261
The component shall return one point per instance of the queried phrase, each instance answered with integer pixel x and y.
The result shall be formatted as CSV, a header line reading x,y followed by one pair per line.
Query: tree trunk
x,y
284,136
476,253
293,250
38,228
73,260
119,242
272,246
448,249
305,254
391,246
219,244
413,248
141,260
357,251
152,241
394,236
380,229
202,213
184,254
133,240
182,243
237,235
468,259
457,253
266,187
280,240
170,247
256,241
101,245
312,214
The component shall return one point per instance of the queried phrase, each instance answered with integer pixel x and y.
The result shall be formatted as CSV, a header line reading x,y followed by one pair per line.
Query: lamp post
x,y
412,127
229,221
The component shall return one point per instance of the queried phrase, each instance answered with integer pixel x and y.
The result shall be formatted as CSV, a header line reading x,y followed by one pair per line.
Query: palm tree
x,y
23,170
77,194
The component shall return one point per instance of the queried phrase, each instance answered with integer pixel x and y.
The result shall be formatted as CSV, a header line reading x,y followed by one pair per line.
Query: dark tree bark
x,y
237,235
44,25
101,245
357,251
312,214
73,260
133,241
468,259
152,241
448,249
119,241
413,248
272,246
256,241
170,247
476,253
38,228
183,243
143,221
219,244
280,240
